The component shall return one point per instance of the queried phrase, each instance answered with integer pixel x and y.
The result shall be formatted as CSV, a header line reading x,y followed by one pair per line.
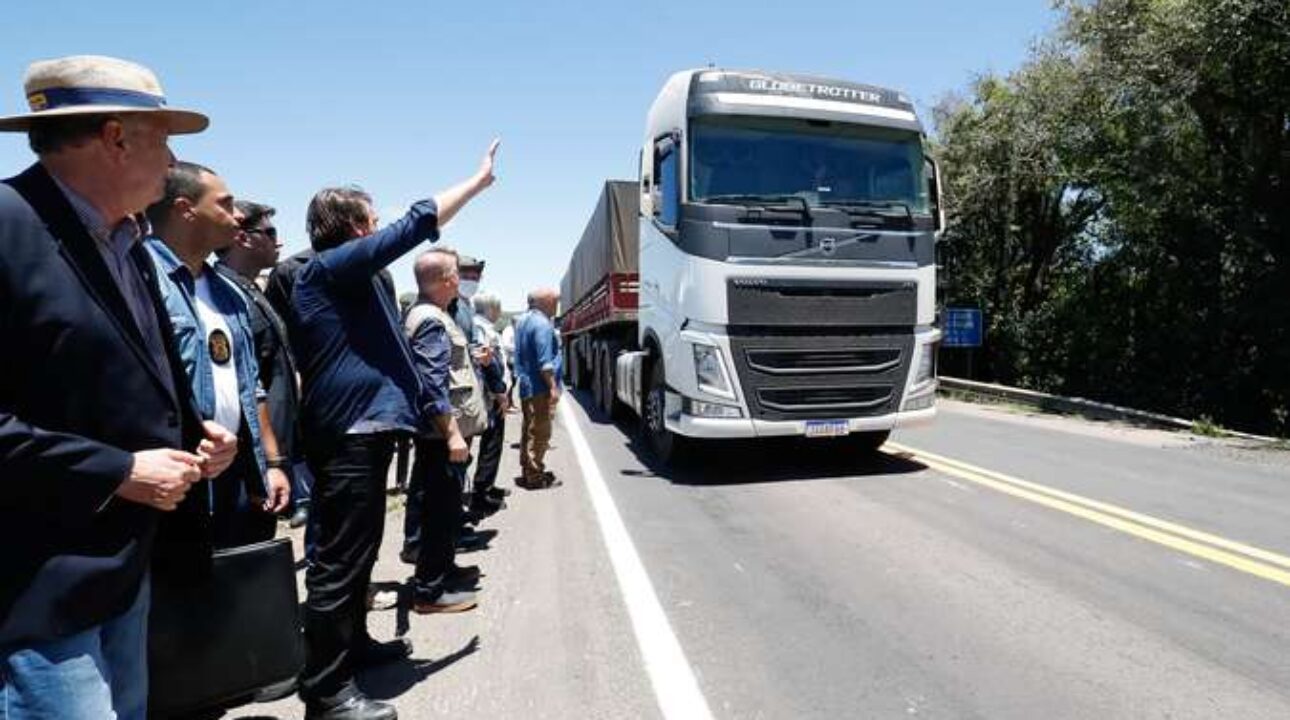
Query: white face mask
x,y
468,288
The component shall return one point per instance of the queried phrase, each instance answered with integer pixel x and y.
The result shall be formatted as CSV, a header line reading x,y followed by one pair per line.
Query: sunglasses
x,y
269,232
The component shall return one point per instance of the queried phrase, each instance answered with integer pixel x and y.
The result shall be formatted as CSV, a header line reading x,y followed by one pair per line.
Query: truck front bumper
x,y
699,427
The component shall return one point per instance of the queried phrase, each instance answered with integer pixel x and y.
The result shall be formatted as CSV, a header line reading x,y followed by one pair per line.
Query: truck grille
x,y
859,400
814,362
821,373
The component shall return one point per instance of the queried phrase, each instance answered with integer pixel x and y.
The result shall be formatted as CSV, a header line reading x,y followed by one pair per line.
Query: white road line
x,y
675,688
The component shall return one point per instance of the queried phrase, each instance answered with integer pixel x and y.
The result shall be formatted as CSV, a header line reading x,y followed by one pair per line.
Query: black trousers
x,y
434,514
491,444
348,505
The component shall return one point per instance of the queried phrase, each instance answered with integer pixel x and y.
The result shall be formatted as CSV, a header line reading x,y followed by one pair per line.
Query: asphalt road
x,y
991,565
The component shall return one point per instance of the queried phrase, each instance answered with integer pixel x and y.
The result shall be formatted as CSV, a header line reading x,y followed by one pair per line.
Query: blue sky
x,y
403,97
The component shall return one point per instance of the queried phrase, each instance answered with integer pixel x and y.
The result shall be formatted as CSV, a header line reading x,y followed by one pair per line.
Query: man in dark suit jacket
x,y
97,437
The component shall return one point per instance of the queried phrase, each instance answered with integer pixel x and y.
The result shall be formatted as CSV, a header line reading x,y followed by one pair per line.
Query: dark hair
x,y
335,216
183,180
253,213
51,134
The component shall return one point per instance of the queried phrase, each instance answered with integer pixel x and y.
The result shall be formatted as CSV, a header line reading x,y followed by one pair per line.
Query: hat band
x,y
54,98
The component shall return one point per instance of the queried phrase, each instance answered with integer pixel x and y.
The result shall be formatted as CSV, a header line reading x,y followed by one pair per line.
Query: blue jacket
x,y
354,360
535,350
177,293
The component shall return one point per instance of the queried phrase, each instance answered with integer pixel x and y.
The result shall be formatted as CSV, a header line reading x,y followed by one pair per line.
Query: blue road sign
x,y
963,327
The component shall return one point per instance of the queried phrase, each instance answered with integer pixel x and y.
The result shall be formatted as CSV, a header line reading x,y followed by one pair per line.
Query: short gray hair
x,y
484,302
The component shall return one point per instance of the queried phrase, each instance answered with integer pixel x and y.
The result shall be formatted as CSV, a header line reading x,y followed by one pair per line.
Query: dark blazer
x,y
79,393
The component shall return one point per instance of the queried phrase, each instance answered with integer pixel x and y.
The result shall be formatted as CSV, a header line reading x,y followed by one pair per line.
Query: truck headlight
x,y
701,408
708,370
921,402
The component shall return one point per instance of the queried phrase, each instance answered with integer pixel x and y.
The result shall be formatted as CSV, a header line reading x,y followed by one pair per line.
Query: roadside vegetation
x,y
1120,208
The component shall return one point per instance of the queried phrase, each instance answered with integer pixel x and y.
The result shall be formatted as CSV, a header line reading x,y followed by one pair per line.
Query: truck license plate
x,y
827,428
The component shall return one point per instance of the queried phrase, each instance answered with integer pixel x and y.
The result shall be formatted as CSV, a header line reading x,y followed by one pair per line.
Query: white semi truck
x,y
771,271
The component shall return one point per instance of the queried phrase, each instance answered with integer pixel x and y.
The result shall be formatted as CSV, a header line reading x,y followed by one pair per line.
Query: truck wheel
x,y
576,370
607,377
668,448
597,372
868,442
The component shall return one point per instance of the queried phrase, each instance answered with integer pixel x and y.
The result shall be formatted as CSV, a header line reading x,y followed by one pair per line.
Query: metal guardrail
x,y
1081,406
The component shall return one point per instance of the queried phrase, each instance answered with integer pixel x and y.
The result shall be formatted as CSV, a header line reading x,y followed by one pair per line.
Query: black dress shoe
x,y
497,493
474,540
358,707
373,653
299,517
461,576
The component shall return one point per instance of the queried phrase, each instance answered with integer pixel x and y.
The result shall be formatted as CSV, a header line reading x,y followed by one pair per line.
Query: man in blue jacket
x,y
195,217
360,392
537,364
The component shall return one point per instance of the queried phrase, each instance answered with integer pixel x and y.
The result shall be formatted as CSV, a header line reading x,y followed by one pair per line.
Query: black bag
x,y
215,640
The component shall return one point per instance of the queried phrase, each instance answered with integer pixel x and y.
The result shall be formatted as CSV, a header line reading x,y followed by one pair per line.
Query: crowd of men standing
x,y
162,402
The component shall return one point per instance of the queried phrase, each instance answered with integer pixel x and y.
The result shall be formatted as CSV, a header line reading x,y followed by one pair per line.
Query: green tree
x,y
1120,206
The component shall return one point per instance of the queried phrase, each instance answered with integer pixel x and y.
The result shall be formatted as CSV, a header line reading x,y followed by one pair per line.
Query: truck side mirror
x,y
935,203
647,197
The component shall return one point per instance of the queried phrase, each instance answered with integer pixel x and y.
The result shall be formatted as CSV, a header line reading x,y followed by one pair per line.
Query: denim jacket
x,y
178,291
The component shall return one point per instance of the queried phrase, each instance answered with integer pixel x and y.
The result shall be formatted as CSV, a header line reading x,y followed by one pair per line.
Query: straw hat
x,y
96,85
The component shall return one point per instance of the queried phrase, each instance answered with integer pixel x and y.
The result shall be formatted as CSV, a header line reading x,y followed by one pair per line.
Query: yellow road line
x,y
1219,550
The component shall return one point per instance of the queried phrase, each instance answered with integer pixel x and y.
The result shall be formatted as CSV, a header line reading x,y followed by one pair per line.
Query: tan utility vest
x,y
464,390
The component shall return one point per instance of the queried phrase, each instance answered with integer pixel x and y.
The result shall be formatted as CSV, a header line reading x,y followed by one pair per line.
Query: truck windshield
x,y
824,163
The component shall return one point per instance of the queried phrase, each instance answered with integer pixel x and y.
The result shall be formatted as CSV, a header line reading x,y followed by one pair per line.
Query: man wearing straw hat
x,y
98,437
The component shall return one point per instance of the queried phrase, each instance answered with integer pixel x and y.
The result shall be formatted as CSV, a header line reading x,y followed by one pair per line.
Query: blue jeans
x,y
96,674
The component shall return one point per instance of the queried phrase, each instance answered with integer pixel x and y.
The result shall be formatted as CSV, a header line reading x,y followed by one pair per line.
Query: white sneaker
x,y
381,599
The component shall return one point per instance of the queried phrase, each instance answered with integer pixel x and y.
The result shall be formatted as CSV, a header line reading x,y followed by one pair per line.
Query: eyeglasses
x,y
269,232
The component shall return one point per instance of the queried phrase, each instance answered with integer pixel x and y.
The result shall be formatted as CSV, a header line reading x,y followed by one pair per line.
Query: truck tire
x,y
667,447
596,372
574,362
614,408
607,377
868,442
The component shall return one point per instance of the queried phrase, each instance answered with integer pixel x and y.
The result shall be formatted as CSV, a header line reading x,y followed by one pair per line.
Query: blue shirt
x,y
432,355
178,292
356,364
115,245
535,351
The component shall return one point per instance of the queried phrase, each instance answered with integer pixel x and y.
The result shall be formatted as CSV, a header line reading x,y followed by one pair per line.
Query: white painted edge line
x,y
675,688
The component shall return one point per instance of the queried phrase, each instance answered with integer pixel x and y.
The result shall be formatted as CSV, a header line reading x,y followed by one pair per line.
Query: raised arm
x,y
358,260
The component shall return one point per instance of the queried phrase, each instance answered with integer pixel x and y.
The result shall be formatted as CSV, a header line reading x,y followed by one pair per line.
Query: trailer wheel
x,y
597,373
668,448
607,378
574,364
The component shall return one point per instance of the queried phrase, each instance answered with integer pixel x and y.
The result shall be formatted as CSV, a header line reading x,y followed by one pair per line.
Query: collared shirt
x,y
486,334
432,354
193,343
356,364
535,352
115,245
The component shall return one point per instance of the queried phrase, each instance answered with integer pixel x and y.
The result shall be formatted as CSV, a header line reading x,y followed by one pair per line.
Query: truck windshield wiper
x,y
762,200
869,207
